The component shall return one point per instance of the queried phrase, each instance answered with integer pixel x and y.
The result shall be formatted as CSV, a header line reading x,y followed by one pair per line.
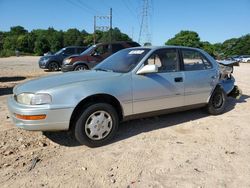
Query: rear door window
x,y
194,60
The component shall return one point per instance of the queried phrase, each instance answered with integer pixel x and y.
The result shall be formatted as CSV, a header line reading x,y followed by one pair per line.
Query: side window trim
x,y
204,57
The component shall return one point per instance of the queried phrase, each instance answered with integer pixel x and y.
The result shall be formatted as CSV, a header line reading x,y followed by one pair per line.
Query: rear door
x,y
199,76
161,90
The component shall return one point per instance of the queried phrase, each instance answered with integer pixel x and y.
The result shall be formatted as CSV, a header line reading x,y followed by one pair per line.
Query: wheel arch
x,y
97,98
81,63
211,93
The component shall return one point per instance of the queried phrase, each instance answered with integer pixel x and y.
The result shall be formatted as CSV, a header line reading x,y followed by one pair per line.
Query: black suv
x,y
53,62
94,55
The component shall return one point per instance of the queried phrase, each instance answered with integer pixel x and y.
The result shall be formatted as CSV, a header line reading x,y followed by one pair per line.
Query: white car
x,y
245,58
132,83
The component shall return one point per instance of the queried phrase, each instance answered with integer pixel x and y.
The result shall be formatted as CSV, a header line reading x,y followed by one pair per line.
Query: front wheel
x,y
80,68
96,125
53,66
217,102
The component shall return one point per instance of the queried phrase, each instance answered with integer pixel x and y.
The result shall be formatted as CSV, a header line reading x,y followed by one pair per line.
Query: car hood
x,y
47,56
58,80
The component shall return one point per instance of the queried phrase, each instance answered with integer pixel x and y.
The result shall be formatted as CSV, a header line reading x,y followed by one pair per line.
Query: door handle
x,y
178,79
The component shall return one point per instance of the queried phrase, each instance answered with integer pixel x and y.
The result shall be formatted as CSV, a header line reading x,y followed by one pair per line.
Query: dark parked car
x,y
94,55
53,62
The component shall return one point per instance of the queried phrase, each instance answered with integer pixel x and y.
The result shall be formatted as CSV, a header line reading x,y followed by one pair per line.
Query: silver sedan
x,y
132,83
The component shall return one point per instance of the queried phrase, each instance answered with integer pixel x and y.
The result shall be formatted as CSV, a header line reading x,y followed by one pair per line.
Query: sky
x,y
214,20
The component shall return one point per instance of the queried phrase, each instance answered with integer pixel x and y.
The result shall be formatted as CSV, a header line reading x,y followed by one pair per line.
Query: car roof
x,y
164,47
116,42
75,47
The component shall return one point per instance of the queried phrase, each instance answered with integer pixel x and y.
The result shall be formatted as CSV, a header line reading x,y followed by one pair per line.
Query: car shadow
x,y
135,127
8,88
12,79
6,91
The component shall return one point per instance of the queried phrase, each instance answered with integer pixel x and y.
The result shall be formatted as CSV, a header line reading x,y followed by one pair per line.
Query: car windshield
x,y
123,61
88,50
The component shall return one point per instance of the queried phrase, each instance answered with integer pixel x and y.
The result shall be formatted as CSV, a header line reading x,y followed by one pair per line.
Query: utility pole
x,y
110,25
94,29
144,35
103,27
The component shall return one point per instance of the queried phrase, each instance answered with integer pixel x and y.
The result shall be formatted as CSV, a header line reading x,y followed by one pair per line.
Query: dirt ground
x,y
187,149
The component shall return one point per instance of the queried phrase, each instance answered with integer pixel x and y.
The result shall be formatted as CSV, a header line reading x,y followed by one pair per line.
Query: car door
x,y
199,76
161,90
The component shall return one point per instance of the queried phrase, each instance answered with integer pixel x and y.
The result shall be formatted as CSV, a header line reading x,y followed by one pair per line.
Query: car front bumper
x,y
42,64
67,68
56,119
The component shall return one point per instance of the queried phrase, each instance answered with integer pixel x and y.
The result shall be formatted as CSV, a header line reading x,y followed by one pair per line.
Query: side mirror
x,y
148,69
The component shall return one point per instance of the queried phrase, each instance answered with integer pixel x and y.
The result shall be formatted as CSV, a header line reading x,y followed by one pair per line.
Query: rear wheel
x,y
80,68
97,125
53,66
217,102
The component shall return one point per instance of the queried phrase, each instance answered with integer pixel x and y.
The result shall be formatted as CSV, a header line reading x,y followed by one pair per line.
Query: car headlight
x,y
45,59
33,99
67,61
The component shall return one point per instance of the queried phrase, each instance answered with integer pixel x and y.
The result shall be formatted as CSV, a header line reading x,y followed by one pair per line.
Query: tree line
x,y
39,41
230,47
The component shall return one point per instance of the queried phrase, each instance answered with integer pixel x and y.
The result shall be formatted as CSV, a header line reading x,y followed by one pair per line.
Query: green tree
x,y
209,48
18,30
73,37
22,43
185,38
117,35
1,40
41,45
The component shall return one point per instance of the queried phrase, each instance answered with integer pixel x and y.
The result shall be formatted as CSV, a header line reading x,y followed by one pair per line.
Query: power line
x,y
74,3
130,10
87,6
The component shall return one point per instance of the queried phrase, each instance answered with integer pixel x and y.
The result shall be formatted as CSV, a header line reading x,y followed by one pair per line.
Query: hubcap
x,y
217,100
98,125
53,66
80,68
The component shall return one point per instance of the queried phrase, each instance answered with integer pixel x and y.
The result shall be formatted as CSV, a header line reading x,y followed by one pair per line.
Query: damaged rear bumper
x,y
235,93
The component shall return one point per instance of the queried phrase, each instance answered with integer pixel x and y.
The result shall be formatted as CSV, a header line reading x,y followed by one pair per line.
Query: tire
x,y
53,66
96,125
217,102
80,68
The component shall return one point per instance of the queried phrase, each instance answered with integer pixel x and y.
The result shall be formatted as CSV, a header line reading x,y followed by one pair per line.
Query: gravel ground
x,y
187,149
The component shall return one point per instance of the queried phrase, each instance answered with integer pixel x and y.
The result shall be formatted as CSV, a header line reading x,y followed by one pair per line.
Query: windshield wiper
x,y
105,70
